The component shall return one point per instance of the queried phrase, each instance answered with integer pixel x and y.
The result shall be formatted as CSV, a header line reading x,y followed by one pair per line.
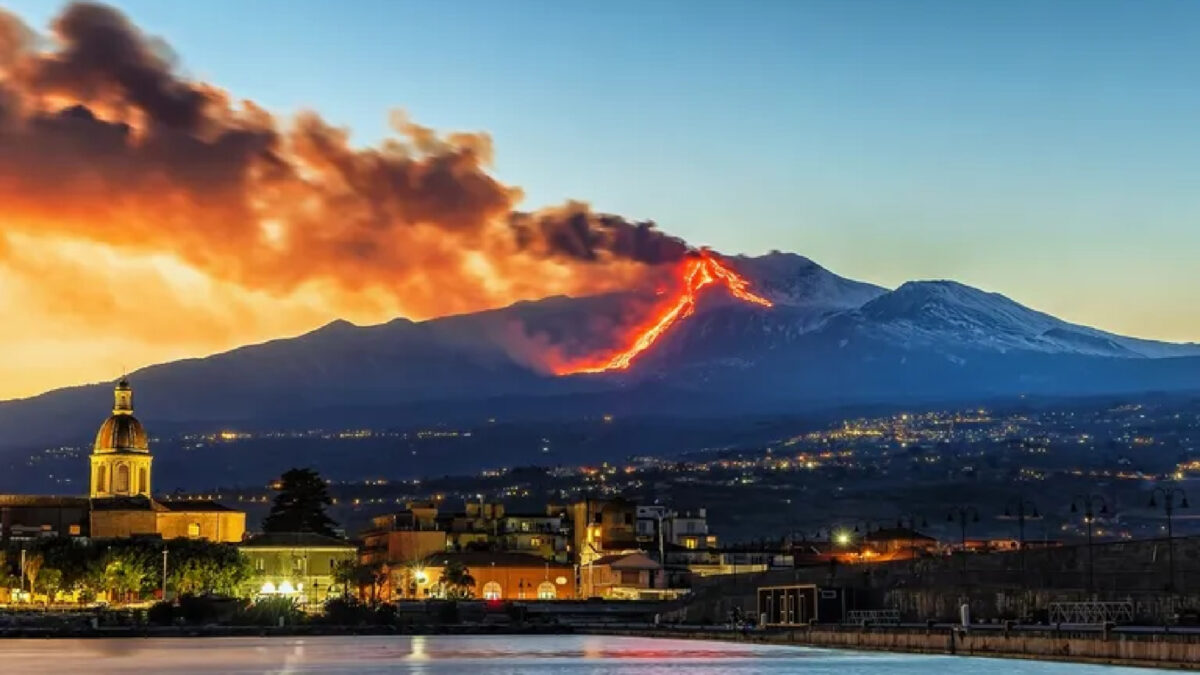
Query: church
x,y
119,503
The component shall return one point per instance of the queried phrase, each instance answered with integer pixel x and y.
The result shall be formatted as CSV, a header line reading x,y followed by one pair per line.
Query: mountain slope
x,y
827,340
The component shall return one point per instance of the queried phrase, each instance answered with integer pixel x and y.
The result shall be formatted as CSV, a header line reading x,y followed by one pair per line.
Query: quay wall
x,y
1150,649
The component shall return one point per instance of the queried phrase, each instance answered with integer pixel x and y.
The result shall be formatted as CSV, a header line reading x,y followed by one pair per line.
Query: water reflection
x,y
436,655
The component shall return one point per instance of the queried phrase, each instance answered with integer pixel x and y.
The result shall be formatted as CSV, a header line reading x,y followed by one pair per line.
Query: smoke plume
x,y
107,151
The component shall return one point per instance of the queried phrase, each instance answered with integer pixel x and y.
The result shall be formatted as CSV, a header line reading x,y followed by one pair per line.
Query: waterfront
x,y
569,654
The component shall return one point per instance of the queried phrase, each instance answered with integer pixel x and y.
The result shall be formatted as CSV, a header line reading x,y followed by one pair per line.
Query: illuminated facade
x,y
301,566
120,461
119,502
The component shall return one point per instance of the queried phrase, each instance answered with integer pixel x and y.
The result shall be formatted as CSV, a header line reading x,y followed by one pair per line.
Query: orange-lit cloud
x,y
148,216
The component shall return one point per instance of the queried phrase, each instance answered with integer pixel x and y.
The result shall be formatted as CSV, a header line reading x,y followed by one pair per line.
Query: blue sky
x,y
1046,150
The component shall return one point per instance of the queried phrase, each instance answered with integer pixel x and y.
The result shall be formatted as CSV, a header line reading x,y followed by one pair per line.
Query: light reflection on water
x,y
435,655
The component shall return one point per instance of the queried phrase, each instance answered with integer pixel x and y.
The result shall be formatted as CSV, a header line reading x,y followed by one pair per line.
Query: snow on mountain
x,y
795,281
948,314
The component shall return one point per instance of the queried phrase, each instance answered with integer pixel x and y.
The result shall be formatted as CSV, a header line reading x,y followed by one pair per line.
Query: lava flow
x,y
698,271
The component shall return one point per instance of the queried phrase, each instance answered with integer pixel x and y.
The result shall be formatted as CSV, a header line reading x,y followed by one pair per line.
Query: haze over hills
x,y
827,341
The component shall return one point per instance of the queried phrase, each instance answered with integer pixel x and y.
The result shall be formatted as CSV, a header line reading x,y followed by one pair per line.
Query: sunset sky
x,y
1042,150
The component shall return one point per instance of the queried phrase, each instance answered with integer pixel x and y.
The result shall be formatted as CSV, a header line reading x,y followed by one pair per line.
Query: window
x,y
546,591
143,481
535,542
121,479
260,564
193,529
492,591
74,530
101,478
690,542
298,564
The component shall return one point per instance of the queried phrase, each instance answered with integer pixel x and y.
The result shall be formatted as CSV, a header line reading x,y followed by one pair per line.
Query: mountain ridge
x,y
828,338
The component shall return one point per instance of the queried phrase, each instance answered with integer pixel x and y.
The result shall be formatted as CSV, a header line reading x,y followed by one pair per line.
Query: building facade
x,y
302,566
119,502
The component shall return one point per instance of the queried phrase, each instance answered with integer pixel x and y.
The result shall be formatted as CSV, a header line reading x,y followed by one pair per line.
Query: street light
x,y
963,513
1168,496
911,525
1089,502
1023,509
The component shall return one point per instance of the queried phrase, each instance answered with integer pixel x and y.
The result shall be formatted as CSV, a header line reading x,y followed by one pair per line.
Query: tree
x,y
300,505
49,583
33,566
198,567
457,581
368,578
124,571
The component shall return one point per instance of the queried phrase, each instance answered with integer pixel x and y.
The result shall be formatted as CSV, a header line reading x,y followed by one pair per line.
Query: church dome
x,y
121,432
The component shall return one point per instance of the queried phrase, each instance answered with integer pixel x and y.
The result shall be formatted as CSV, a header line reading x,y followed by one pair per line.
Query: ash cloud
x,y
103,140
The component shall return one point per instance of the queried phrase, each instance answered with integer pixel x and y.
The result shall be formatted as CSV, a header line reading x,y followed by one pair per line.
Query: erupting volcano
x,y
699,269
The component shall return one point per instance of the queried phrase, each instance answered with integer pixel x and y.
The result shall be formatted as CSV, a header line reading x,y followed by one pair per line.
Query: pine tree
x,y
300,505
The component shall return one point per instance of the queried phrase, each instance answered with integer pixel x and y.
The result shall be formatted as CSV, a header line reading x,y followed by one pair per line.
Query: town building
x,y
496,576
302,566
624,576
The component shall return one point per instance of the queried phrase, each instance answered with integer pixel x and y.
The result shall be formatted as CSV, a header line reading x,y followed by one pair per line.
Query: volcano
x,y
708,347
699,270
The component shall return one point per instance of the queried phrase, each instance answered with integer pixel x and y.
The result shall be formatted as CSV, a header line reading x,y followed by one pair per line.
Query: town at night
x,y
701,337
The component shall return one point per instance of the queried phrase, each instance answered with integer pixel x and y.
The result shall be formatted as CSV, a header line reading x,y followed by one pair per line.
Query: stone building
x,y
119,502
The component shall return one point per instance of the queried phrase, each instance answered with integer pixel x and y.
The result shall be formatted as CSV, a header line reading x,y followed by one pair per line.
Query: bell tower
x,y
120,461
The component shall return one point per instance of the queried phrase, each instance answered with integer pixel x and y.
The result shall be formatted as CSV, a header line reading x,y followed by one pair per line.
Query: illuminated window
x,y
298,563
101,478
492,591
535,542
73,530
546,591
690,542
193,529
143,480
260,564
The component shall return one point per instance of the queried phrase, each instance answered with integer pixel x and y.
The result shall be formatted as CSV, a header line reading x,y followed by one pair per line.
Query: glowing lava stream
x,y
698,271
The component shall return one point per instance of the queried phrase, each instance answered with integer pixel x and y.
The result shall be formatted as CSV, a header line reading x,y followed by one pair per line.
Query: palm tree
x,y
457,580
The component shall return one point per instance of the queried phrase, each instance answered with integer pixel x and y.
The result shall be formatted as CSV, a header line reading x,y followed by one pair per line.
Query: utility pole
x,y
1023,508
1089,516
963,513
1168,496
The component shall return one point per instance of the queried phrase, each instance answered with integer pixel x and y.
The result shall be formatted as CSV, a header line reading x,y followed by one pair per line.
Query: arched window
x,y
121,479
102,478
546,591
143,481
492,591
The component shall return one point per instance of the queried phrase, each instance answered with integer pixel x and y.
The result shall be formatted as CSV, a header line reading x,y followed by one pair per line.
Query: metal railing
x,y
1091,612
889,616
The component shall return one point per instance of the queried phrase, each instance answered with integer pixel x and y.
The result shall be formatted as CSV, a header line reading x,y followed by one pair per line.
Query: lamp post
x,y
1022,509
963,513
1089,502
1168,495
909,521
164,576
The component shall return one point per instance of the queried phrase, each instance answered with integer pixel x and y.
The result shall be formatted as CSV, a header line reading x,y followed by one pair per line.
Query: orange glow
x,y
697,272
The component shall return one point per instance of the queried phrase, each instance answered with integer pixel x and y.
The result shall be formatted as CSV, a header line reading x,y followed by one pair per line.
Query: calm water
x,y
558,655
